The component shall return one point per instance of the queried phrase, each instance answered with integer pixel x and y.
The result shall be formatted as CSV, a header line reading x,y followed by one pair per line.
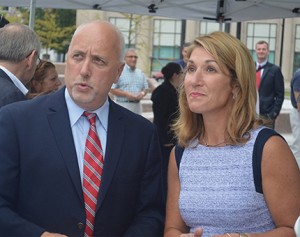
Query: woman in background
x,y
165,106
45,80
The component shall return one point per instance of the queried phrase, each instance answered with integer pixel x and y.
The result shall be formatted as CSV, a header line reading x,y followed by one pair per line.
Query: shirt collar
x,y
75,112
261,64
15,80
129,68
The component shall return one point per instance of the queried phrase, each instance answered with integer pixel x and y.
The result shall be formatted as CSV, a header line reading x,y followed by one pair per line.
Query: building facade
x,y
159,39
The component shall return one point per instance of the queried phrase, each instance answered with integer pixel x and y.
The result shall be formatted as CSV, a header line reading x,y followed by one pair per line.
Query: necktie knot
x,y
258,76
91,117
259,67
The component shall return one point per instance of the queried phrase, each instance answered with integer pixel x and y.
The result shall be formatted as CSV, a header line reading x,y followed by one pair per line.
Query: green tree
x,y
66,20
48,30
20,15
55,28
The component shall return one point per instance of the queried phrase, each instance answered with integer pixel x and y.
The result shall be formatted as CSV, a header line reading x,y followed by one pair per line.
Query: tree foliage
x,y
55,28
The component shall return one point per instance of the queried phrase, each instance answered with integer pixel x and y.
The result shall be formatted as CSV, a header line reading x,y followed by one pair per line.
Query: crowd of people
x,y
79,160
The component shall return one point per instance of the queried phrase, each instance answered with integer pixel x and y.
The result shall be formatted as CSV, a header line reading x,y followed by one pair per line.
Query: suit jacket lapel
x,y
59,122
266,70
115,137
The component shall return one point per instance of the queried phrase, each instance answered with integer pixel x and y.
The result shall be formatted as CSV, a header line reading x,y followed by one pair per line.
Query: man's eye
x,y
77,56
99,61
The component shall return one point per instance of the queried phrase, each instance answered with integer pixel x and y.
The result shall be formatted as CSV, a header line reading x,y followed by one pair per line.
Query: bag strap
x,y
178,154
260,141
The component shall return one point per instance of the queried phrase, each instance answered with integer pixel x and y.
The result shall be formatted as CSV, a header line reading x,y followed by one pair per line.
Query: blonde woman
x,y
211,190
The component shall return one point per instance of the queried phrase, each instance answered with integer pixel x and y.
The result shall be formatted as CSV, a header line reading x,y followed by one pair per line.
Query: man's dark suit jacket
x,y
271,91
40,187
9,93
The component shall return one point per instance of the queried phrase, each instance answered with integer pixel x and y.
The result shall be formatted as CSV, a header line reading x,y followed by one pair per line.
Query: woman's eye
x,y
211,69
190,69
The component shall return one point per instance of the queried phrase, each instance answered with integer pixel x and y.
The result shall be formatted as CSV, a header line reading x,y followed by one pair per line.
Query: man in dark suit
x,y
19,50
270,84
42,157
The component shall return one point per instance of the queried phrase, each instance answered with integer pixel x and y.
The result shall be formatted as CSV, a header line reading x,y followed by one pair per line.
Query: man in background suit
x,y
270,84
42,154
19,50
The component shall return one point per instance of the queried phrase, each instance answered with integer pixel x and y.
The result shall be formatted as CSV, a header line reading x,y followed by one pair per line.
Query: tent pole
x,y
32,13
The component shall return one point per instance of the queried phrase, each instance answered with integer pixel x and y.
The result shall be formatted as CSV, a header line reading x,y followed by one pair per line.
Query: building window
x,y
128,28
209,27
297,49
261,31
166,43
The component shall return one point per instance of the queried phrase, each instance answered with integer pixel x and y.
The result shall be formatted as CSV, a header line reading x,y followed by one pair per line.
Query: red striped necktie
x,y
258,76
92,172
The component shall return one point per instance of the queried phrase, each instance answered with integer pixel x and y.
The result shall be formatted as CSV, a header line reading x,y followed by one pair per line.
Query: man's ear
x,y
31,59
119,72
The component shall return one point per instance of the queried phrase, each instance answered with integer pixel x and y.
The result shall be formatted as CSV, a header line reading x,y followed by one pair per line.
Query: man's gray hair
x,y
17,41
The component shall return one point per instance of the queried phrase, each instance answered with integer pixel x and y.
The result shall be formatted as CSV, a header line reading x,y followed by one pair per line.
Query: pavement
x,y
282,125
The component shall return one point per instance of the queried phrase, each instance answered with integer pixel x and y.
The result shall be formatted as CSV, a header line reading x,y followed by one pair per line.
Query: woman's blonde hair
x,y
231,54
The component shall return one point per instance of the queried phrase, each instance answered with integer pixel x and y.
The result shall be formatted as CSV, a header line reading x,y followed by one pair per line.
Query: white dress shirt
x,y
80,127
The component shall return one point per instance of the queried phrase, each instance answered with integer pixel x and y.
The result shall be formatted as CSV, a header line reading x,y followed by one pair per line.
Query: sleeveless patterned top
x,y
218,192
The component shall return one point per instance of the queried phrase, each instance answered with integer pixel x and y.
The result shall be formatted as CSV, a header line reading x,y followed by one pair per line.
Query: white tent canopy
x,y
215,10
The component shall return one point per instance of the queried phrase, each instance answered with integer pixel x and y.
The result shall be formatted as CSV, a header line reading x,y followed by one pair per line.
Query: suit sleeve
x,y
151,209
279,92
9,96
11,224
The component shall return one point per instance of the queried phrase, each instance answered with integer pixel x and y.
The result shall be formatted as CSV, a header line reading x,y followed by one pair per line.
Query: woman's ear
x,y
235,91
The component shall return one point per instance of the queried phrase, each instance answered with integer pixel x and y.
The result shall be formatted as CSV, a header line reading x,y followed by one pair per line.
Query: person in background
x,y
165,106
73,162
182,62
19,51
269,83
132,85
3,21
295,115
211,191
45,80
